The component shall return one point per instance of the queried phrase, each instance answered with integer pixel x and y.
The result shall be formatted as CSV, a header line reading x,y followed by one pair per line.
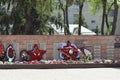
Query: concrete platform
x,y
61,74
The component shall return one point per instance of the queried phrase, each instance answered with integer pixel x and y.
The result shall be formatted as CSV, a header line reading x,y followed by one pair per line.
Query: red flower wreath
x,y
10,53
2,52
36,54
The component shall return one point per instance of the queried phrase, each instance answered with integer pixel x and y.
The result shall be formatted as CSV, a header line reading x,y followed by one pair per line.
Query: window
x,y
92,21
75,16
111,13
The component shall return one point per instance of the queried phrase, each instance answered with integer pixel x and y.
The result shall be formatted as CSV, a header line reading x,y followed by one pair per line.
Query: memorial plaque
x,y
43,47
110,50
97,51
56,52
16,48
117,42
29,46
117,45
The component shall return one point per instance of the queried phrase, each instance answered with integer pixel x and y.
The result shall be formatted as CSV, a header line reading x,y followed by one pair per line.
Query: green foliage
x,y
4,21
109,30
84,23
30,16
96,6
36,16
63,6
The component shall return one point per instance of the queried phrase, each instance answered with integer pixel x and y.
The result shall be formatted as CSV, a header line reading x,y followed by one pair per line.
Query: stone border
x,y
58,66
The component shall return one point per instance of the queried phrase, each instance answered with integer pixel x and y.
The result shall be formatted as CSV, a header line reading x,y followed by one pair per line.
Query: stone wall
x,y
101,46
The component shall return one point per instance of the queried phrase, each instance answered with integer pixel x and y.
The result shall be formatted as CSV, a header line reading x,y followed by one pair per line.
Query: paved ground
x,y
61,74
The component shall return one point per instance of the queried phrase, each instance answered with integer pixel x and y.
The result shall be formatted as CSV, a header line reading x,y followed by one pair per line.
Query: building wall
x,y
73,13
51,43
91,20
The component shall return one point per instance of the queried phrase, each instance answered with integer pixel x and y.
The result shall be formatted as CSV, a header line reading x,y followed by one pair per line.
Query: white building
x,y
91,20
73,30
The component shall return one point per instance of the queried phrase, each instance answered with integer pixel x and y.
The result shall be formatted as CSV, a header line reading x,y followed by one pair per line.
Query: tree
x,y
64,5
80,3
45,13
115,17
104,2
68,3
4,19
30,16
107,6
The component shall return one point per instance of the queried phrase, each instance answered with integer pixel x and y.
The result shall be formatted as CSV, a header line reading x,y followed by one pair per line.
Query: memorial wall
x,y
101,46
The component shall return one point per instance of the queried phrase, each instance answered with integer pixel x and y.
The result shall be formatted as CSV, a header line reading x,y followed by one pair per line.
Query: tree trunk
x,y
7,29
65,30
107,23
115,17
64,15
16,26
106,16
67,21
28,26
103,17
80,17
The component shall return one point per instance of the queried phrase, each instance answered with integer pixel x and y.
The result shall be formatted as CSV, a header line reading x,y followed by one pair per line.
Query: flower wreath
x,y
10,53
36,53
2,52
24,56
